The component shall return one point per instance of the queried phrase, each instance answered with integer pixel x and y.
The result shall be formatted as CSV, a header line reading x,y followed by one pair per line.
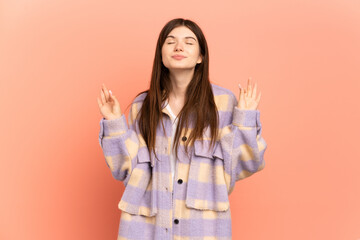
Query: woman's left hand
x,y
247,97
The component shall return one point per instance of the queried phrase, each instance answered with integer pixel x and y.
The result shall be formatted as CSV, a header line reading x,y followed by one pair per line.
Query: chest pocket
x,y
138,199
207,189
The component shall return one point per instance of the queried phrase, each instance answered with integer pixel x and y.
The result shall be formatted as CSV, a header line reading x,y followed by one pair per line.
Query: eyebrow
x,y
171,36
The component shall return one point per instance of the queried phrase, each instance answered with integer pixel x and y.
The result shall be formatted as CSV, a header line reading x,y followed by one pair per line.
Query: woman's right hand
x,y
108,104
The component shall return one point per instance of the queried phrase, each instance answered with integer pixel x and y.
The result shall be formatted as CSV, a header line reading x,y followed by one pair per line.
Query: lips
x,y
178,57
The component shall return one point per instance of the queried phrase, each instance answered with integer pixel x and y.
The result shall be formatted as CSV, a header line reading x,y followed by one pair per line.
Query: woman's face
x,y
181,49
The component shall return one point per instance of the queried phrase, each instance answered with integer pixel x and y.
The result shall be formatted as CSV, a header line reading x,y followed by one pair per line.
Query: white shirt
x,y
174,124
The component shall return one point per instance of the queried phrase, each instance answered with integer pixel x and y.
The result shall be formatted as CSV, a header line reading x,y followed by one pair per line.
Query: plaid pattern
x,y
195,206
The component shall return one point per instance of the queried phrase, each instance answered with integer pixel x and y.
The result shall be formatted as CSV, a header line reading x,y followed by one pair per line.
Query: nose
x,y
178,47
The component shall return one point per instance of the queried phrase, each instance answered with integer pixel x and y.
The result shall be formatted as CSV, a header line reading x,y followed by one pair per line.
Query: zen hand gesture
x,y
109,105
247,98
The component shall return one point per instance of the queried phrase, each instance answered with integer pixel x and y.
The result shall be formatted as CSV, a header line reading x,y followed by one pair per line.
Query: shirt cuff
x,y
245,118
115,126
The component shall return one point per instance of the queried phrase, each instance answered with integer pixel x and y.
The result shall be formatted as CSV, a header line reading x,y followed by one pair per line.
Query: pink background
x,y
54,55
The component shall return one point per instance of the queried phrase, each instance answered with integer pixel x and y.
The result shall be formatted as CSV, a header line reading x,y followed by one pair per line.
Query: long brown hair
x,y
199,99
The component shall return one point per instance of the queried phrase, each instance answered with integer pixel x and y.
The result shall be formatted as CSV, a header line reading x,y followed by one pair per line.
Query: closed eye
x,y
186,43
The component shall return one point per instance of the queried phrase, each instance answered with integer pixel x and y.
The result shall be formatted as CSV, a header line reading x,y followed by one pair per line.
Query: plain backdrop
x,y
54,56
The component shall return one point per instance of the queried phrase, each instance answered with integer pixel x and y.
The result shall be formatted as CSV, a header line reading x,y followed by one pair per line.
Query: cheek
x,y
164,52
164,56
195,51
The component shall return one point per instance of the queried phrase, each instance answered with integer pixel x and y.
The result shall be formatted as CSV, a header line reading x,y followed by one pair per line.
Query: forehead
x,y
181,32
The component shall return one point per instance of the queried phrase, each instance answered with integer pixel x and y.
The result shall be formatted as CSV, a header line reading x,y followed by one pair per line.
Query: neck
x,y
180,79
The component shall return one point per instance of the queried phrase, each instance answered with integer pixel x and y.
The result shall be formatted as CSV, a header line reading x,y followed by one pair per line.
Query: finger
x,y
251,90
116,102
103,88
258,98
248,94
106,92
242,95
254,90
243,90
239,91
102,97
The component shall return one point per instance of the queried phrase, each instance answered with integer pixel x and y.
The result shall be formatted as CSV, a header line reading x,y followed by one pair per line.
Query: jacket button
x,y
184,138
180,181
176,221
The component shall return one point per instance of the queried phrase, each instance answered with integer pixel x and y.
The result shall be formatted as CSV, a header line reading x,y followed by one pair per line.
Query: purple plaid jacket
x,y
195,206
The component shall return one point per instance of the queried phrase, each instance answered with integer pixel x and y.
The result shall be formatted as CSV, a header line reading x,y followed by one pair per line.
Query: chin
x,y
181,68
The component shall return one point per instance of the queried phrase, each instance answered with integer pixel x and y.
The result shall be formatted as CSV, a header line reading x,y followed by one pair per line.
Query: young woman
x,y
186,143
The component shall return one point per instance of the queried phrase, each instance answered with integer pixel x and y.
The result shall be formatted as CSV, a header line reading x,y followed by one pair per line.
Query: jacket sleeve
x,y
120,144
242,145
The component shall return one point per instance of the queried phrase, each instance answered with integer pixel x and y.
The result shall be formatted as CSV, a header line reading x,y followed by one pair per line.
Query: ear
x,y
199,59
